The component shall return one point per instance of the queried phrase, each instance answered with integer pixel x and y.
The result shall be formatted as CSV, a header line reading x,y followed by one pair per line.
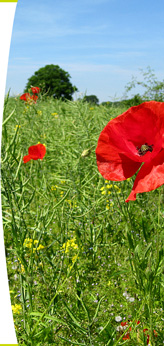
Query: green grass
x,y
78,256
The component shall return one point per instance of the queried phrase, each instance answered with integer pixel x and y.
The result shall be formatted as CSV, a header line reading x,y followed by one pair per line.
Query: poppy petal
x,y
25,97
26,158
35,90
111,163
149,177
37,151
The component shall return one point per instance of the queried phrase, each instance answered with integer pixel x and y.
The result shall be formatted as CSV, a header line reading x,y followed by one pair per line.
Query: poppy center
x,y
144,149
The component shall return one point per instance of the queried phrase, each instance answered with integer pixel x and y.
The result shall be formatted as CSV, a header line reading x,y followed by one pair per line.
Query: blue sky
x,y
101,43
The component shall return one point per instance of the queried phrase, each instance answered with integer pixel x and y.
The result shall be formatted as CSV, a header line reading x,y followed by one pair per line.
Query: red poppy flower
x,y
148,337
35,90
133,140
35,152
126,337
123,324
138,322
34,97
25,97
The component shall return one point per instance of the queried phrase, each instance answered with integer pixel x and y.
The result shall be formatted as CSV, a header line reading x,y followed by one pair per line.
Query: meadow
x,y
84,267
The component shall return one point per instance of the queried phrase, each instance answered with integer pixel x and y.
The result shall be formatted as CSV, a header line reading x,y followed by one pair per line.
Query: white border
x,y
7,331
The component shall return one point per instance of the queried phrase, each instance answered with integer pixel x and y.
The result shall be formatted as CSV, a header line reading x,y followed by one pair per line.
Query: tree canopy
x,y
54,81
93,99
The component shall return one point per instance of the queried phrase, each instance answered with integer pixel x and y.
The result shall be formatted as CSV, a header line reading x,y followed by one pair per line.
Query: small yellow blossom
x,y
16,308
40,247
39,112
70,244
109,186
28,243
54,187
117,188
55,115
103,192
17,127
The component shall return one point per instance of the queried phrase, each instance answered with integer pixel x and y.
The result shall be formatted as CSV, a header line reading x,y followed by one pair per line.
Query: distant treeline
x,y
134,101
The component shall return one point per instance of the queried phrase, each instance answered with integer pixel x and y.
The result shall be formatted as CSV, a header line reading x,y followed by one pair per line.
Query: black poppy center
x,y
144,149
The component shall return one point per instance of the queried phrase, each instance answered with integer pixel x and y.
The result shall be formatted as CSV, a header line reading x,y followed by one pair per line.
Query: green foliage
x,y
54,81
79,258
153,89
92,99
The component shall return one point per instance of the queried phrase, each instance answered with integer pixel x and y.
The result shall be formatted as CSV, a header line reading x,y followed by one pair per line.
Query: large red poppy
x,y
35,152
133,140
35,90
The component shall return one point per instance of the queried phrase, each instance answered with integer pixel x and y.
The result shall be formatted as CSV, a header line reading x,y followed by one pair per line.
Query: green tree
x,y
152,88
54,81
91,99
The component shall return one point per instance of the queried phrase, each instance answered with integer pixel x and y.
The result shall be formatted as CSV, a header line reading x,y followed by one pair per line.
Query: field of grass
x,y
84,267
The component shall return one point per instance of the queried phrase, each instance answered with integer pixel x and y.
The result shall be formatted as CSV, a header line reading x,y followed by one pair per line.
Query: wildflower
x,y
70,244
17,127
131,141
25,97
35,152
34,97
16,308
118,318
126,337
40,247
147,335
28,243
35,90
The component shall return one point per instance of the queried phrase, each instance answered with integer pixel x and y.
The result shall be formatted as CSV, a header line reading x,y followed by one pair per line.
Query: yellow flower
x,y
70,244
16,308
109,186
17,127
28,243
56,115
39,112
53,188
103,192
40,247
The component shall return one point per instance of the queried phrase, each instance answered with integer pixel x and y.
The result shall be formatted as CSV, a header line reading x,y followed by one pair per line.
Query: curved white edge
x,y
7,330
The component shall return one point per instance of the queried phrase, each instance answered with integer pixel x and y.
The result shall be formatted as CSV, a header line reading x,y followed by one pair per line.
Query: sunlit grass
x,y
80,260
